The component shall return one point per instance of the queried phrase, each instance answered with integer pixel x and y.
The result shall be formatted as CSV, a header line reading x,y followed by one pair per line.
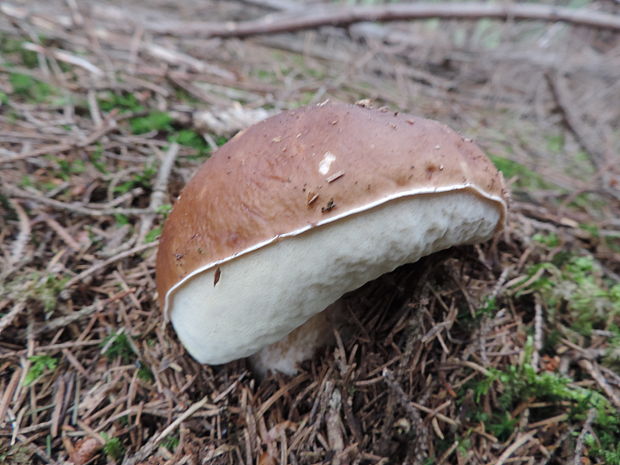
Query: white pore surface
x,y
265,294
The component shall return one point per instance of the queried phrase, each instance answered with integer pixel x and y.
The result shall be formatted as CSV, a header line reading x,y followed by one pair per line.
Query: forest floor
x,y
508,352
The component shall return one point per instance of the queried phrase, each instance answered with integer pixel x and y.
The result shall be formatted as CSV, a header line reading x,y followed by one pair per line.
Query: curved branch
x,y
346,15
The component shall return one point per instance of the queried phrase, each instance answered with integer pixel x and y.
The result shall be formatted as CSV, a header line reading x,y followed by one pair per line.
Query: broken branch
x,y
341,16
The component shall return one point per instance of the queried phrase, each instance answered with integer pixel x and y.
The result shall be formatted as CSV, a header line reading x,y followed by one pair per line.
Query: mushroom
x,y
304,207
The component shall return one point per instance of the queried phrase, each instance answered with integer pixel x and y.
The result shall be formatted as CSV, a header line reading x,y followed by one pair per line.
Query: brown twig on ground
x,y
150,446
109,125
520,441
8,393
597,376
23,237
160,187
79,209
412,412
572,117
7,319
587,426
101,265
347,15
538,333
65,320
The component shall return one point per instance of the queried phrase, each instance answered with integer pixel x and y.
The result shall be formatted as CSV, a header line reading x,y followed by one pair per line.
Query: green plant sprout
x,y
117,345
39,365
30,88
113,447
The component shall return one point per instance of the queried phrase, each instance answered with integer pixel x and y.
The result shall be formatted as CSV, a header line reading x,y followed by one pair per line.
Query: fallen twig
x,y
7,319
414,415
150,446
560,90
109,125
159,194
64,56
109,261
523,439
73,207
538,333
8,393
600,380
347,15
577,458
24,232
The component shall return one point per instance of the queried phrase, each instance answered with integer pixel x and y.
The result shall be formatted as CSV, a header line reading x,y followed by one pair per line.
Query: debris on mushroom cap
x,y
249,220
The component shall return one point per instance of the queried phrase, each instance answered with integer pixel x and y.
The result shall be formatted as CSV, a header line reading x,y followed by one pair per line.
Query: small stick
x,y
160,188
8,393
600,380
538,334
109,125
62,232
473,366
414,415
587,426
333,423
65,56
93,107
184,416
435,413
24,232
58,406
93,269
150,446
7,319
342,16
410,405
573,119
72,207
513,447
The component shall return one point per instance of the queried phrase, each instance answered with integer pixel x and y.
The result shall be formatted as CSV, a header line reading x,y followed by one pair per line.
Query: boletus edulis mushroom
x,y
304,207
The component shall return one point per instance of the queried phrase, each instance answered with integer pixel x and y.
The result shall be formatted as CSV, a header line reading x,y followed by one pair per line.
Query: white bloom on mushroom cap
x,y
262,241
326,163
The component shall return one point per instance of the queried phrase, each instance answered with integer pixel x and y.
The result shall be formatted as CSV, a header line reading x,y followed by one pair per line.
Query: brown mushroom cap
x,y
310,169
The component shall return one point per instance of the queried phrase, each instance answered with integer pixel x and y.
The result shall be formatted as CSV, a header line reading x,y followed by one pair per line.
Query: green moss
x,y
555,143
17,454
141,179
40,364
118,346
547,239
14,47
574,292
522,383
124,102
189,138
96,159
154,121
30,89
525,178
45,288
113,447
588,202
153,234
171,443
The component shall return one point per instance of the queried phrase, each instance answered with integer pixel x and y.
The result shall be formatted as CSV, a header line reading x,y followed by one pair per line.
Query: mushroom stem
x,y
300,344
